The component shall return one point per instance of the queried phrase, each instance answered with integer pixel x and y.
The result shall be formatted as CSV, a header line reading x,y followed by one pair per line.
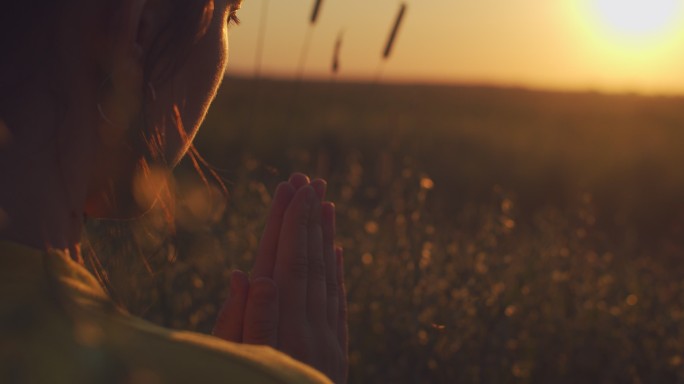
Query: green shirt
x,y
57,325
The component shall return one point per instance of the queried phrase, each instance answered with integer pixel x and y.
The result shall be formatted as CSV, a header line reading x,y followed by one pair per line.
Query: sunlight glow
x,y
606,45
638,18
637,40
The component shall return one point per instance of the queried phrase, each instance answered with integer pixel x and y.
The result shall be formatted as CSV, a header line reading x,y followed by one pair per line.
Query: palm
x,y
295,300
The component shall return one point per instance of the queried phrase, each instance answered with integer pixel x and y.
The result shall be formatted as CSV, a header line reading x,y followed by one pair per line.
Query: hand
x,y
295,300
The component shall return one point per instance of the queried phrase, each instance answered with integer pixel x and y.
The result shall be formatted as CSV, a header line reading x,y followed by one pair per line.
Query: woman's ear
x,y
135,25
150,21
125,27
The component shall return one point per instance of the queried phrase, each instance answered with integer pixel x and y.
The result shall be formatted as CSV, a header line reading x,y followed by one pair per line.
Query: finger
x,y
320,186
299,180
268,247
342,330
230,319
330,259
316,288
291,267
261,313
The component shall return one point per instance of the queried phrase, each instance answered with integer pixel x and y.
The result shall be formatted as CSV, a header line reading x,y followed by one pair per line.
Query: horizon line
x,y
361,80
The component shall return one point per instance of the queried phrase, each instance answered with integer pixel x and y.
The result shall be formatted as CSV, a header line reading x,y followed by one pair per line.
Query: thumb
x,y
229,322
261,313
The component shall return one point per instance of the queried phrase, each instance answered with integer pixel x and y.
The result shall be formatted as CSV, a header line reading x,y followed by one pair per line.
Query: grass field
x,y
491,235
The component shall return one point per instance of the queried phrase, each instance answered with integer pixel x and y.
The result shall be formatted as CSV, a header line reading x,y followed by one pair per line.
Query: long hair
x,y
27,40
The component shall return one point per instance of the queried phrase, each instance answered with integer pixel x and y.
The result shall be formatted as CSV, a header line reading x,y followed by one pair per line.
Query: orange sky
x,y
605,45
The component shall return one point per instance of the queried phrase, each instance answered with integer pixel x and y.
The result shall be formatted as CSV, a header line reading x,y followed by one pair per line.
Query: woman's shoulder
x,y
203,358
61,327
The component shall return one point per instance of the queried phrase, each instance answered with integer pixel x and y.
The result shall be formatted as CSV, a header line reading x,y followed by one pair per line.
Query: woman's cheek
x,y
196,86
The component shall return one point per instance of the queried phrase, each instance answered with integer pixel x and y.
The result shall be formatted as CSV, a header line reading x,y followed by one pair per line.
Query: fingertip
x,y
284,194
320,186
238,274
328,209
328,218
285,188
299,180
238,281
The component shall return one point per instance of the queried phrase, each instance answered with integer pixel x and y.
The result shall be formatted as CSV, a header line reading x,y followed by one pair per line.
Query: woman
x,y
94,94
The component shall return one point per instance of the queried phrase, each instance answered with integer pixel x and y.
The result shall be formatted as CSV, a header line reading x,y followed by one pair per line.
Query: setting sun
x,y
631,44
637,18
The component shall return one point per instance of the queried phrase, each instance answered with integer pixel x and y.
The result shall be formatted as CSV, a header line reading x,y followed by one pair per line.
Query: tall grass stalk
x,y
335,67
315,12
304,54
258,62
261,37
393,34
391,41
299,75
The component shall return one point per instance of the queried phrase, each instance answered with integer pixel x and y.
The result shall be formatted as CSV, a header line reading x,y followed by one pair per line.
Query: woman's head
x,y
124,83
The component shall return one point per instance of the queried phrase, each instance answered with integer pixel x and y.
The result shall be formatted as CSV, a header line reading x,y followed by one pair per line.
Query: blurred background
x,y
507,178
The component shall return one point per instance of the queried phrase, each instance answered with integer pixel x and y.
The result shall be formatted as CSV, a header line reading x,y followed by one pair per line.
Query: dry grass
x,y
394,31
492,235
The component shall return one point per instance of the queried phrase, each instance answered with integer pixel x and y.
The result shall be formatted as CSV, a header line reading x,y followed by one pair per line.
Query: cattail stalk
x,y
395,30
316,11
